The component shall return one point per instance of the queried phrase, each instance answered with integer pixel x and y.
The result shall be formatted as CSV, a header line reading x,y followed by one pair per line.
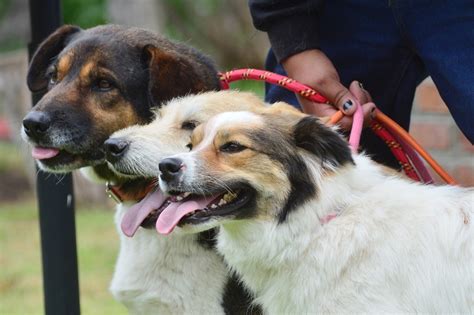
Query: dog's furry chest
x,y
157,274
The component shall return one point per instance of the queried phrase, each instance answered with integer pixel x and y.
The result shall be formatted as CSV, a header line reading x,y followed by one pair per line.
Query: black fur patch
x,y
321,141
250,210
237,300
302,187
309,134
278,147
207,239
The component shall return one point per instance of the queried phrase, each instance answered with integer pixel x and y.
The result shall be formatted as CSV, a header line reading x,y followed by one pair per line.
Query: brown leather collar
x,y
119,194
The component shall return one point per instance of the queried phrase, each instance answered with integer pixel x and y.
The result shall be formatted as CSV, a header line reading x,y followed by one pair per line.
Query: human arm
x,y
292,27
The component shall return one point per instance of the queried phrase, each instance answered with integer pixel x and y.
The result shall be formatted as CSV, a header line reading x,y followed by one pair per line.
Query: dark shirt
x,y
291,25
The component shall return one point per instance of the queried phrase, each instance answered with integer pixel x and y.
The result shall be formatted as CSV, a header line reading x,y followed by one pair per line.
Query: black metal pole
x,y
55,199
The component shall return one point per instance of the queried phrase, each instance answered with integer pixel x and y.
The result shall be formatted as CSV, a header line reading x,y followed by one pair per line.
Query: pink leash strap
x,y
356,130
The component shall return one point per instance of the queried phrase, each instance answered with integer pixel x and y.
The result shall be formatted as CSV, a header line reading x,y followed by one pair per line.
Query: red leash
x,y
295,86
402,145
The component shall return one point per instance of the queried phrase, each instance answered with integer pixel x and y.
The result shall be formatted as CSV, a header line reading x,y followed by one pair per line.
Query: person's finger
x,y
325,110
345,123
368,107
337,94
357,89
369,110
316,109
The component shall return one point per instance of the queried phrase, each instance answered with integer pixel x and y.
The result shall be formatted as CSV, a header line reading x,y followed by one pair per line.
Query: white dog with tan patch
x,y
181,274
312,228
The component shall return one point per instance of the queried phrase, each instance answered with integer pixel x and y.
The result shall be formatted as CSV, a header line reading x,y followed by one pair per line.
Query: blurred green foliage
x,y
4,4
11,44
181,9
85,13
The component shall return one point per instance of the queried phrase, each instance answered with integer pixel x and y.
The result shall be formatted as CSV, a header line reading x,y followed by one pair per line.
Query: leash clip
x,y
110,191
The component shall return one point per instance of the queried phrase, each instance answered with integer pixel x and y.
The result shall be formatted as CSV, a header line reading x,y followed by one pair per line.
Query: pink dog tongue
x,y
138,212
40,153
172,214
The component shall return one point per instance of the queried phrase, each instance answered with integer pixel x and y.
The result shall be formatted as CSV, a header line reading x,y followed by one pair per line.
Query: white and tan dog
x,y
182,274
312,228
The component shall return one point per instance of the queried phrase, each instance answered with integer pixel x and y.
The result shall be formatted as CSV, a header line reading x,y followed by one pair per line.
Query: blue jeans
x,y
391,46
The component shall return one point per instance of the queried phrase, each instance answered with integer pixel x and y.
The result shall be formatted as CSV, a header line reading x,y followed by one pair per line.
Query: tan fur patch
x,y
64,65
86,70
249,164
104,107
197,135
106,119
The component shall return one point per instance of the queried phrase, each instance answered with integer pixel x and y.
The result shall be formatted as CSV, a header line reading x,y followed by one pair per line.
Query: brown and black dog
x,y
100,80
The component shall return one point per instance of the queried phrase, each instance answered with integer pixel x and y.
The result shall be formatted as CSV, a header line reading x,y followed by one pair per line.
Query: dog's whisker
x,y
217,182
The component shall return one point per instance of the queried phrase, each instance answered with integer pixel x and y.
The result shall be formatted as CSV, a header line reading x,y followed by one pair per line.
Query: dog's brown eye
x,y
104,85
189,125
189,146
53,76
232,147
53,79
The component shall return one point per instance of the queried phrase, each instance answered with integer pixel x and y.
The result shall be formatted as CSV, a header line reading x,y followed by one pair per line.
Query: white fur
x,y
214,125
396,247
173,274
166,275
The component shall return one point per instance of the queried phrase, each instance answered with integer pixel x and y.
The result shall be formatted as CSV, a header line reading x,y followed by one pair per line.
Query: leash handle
x,y
401,141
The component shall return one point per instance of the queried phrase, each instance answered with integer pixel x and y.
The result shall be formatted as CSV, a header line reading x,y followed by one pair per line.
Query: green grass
x,y
10,157
20,260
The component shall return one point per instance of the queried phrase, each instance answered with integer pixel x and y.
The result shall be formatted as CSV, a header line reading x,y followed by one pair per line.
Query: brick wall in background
x,y
434,128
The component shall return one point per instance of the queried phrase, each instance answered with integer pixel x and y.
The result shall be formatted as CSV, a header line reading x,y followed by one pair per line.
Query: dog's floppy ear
x,y
49,48
310,134
170,75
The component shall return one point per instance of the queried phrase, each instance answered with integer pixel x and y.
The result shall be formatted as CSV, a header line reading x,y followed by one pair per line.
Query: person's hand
x,y
364,98
313,68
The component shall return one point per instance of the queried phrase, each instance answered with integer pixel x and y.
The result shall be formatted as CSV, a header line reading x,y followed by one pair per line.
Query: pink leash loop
x,y
356,130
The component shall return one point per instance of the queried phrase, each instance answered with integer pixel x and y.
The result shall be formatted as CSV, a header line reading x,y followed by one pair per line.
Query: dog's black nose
x,y
170,169
36,124
115,148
